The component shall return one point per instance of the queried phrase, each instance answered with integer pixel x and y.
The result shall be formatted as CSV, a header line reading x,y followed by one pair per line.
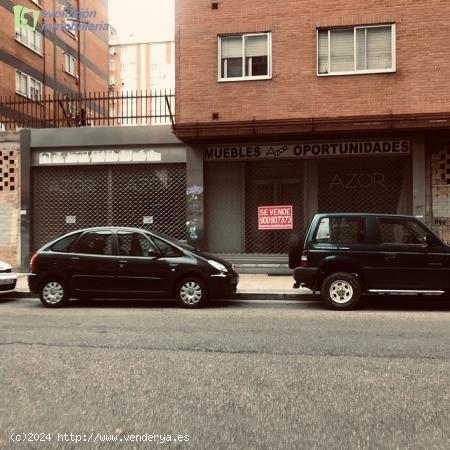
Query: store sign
x,y
307,150
100,156
275,217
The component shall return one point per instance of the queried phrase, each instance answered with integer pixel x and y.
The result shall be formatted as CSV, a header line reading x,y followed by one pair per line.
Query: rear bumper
x,y
33,282
8,281
305,277
222,285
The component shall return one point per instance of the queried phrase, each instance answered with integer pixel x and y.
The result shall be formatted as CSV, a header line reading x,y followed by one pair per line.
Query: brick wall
x,y
9,198
440,166
420,84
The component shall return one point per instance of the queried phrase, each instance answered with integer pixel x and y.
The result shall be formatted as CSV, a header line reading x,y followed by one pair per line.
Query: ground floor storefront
x,y
221,197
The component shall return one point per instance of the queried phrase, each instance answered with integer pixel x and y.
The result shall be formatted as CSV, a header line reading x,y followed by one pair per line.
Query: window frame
x,y
220,79
68,56
28,32
355,71
337,243
28,93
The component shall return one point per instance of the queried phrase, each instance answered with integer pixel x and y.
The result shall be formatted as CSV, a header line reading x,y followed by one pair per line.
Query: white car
x,y
8,279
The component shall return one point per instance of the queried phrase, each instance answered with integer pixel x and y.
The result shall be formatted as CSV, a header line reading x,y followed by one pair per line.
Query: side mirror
x,y
153,253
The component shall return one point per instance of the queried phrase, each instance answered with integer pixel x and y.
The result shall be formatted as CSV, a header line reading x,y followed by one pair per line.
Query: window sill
x,y
71,74
227,80
359,72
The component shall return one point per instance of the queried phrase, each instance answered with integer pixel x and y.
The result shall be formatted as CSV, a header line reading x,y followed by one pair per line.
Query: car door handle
x,y
435,264
390,257
122,264
173,266
75,258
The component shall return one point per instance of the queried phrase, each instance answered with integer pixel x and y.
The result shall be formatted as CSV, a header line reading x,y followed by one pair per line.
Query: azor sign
x,y
275,217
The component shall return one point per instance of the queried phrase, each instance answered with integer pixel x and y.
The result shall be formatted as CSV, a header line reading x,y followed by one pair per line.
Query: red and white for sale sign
x,y
275,217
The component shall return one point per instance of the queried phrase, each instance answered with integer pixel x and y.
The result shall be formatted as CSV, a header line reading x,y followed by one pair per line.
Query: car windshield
x,y
175,241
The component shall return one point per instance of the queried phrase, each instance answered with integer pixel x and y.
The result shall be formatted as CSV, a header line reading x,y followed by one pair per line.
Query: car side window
x,y
64,244
401,232
95,243
341,230
135,244
167,250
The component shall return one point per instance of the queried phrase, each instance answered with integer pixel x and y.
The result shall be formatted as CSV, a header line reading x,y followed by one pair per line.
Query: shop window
x,y
245,57
356,50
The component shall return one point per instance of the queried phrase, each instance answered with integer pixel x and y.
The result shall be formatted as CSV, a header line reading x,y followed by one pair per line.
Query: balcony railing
x,y
88,109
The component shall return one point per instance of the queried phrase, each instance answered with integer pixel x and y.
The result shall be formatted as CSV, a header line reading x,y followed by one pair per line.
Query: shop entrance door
x,y
278,185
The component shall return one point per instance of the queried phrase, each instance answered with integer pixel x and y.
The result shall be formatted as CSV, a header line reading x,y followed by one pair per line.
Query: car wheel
x,y
295,249
341,290
54,293
191,293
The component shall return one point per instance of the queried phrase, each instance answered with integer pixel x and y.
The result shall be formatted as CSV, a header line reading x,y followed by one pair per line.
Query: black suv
x,y
346,255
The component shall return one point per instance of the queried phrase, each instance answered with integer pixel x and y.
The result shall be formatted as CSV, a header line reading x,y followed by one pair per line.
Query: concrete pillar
x,y
195,200
25,199
418,177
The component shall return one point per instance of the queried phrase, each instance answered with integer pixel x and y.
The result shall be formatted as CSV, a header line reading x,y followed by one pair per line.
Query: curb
x,y
306,297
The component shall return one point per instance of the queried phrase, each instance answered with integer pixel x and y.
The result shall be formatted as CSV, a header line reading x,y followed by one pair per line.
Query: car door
x,y
142,270
401,263
438,263
93,265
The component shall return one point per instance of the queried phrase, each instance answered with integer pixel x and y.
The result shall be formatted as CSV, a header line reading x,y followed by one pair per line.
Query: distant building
x,y
141,67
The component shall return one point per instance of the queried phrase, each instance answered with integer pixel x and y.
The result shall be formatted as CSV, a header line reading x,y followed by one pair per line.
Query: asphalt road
x,y
244,375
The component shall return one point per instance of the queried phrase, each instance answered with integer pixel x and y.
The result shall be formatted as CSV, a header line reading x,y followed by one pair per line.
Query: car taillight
x,y
33,263
304,261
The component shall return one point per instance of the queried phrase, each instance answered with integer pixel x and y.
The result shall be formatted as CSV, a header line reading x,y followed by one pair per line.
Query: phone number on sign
x,y
277,220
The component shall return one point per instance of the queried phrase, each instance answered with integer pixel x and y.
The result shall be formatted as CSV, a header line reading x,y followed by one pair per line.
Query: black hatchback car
x,y
112,262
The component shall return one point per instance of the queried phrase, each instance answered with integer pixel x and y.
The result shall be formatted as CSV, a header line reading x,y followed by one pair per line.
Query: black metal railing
x,y
61,110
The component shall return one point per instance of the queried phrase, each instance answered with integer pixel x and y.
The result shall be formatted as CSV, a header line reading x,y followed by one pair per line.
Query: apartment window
x,y
343,51
28,86
245,57
69,24
69,64
30,38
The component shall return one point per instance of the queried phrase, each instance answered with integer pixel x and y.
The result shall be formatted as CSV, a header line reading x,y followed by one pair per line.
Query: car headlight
x,y
217,265
4,266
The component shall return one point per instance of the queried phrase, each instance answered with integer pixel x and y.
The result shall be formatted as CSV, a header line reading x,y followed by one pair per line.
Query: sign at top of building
x,y
307,150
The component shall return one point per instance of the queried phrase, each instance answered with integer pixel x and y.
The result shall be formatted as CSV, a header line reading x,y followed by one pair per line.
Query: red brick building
x,y
64,49
326,106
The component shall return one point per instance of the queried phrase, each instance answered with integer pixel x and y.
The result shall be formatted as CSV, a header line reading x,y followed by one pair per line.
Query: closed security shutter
x,y
145,196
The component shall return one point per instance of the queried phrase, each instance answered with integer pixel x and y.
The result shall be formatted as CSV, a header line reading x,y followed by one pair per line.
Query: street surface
x,y
241,375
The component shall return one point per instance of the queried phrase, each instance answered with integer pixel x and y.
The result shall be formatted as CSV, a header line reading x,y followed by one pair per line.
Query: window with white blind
x,y
30,38
344,51
245,57
28,86
69,64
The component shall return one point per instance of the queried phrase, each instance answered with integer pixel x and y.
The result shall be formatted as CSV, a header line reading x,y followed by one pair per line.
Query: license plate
x,y
7,281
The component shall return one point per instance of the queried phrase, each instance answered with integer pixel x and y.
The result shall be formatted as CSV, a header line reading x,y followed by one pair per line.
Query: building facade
x,y
142,67
319,106
50,47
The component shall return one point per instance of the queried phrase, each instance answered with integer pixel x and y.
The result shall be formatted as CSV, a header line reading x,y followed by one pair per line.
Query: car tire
x,y
295,249
192,293
54,293
341,291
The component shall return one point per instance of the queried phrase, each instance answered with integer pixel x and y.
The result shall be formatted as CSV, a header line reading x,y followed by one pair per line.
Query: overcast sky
x,y
142,20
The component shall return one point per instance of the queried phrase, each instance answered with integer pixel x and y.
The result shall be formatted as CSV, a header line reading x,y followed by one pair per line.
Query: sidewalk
x,y
250,287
